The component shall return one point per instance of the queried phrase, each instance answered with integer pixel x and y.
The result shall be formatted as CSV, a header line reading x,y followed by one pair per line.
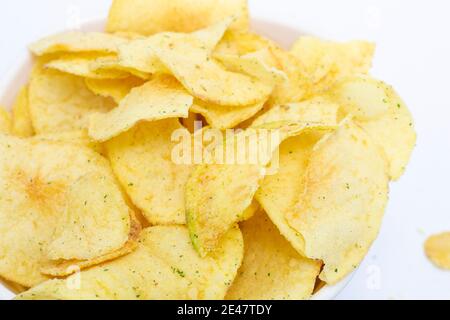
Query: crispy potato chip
x,y
325,62
437,249
340,211
316,110
61,102
142,160
82,65
388,121
241,43
164,266
271,269
111,64
148,17
77,42
34,179
117,89
161,98
223,117
5,121
21,121
78,137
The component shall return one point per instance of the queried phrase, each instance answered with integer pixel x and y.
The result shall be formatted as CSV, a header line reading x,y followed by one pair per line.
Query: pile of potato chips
x,y
93,204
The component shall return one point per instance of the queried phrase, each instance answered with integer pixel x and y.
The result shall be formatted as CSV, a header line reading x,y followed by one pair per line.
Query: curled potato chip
x,y
383,115
148,17
142,160
437,249
325,62
340,211
5,121
271,269
34,179
21,121
61,102
77,42
316,110
117,89
161,98
223,117
163,267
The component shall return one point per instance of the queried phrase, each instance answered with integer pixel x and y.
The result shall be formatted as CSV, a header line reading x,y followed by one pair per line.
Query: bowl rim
x,y
17,76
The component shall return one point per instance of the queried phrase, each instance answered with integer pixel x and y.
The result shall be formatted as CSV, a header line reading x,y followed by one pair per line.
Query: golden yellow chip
x,y
117,89
148,17
113,64
325,62
345,194
78,137
77,42
161,98
61,102
21,122
437,249
35,177
142,160
5,121
272,269
164,267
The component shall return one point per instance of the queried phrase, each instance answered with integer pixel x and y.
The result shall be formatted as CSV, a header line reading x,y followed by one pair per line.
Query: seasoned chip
x,y
142,160
61,102
117,89
77,42
21,122
437,249
383,115
340,211
164,267
148,17
161,98
325,62
271,269
5,121
35,177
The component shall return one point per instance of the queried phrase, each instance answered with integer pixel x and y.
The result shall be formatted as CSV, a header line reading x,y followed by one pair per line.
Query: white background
x,y
413,54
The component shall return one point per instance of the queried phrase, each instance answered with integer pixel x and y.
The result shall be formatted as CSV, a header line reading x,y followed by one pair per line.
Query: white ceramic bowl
x,y
11,82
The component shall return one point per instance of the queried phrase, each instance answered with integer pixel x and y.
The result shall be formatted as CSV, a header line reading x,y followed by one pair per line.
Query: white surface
x,y
413,54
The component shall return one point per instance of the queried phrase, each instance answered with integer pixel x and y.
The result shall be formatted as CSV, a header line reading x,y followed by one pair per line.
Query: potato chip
x,y
340,211
223,117
148,17
77,42
272,269
82,65
164,267
161,98
384,116
142,160
112,63
316,110
325,62
117,89
5,121
61,102
437,249
21,121
34,179
77,137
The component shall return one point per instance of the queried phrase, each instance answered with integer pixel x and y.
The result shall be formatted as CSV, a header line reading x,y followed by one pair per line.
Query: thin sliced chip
x,y
148,17
78,138
117,89
325,62
161,98
142,160
241,43
164,267
272,269
21,122
388,121
77,42
61,102
34,179
340,211
5,121
223,117
110,64
437,249
81,65
316,110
